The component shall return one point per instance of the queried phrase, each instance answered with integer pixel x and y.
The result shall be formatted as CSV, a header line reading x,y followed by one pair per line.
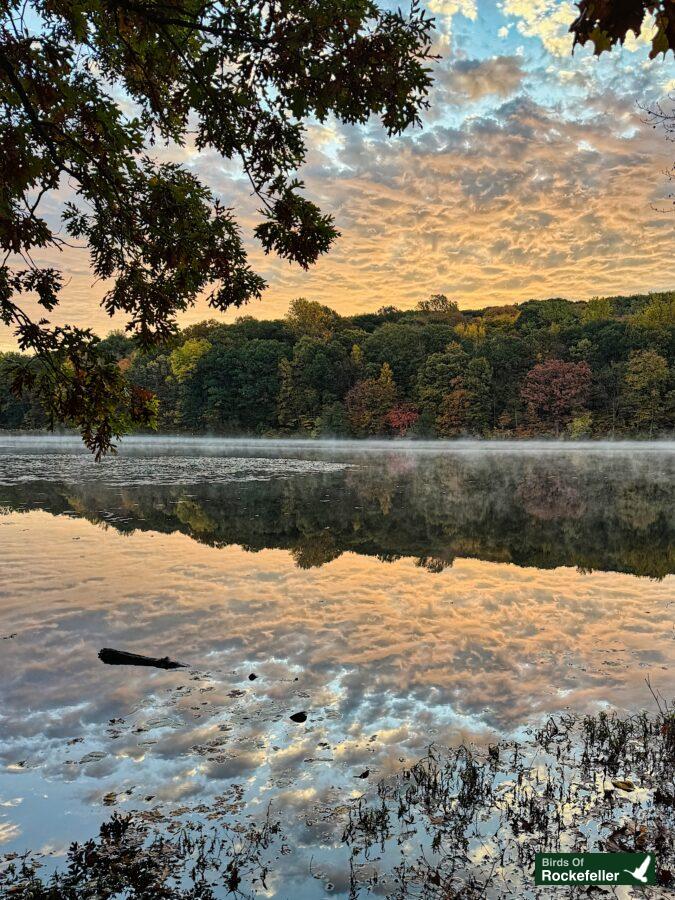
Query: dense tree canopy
x,y
548,367
88,86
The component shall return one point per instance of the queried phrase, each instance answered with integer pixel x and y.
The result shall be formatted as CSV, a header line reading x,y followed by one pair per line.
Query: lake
x,y
400,594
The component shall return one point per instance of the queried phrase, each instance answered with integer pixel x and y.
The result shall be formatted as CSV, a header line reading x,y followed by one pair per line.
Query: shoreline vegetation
x,y
462,822
554,368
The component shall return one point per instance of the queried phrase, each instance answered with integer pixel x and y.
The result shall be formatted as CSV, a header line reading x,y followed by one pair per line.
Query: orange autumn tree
x,y
369,402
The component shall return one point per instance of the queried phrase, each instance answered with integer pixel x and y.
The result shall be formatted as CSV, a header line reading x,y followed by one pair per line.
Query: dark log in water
x,y
122,658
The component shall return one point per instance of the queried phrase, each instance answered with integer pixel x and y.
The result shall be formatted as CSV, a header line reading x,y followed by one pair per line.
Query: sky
x,y
534,175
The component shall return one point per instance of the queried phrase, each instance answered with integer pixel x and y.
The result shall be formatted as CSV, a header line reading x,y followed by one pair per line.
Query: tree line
x,y
602,367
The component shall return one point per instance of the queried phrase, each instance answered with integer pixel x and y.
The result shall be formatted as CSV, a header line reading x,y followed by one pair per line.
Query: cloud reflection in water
x,y
384,656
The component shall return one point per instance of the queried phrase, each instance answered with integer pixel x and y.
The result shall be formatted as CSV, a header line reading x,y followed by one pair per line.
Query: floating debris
x,y
93,756
122,658
624,785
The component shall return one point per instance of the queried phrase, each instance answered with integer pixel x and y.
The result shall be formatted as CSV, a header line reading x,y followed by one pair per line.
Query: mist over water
x,y
400,593
224,445
572,505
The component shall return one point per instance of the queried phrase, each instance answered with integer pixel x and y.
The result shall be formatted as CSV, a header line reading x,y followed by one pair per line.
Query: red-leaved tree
x,y
554,391
401,418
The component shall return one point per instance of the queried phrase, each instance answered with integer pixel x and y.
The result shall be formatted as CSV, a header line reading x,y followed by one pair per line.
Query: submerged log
x,y
122,658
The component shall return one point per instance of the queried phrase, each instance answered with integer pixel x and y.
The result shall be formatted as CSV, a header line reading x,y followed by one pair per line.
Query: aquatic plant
x,y
147,856
462,822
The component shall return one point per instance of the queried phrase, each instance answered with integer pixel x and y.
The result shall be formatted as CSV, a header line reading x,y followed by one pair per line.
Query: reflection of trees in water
x,y
593,512
322,548
635,509
551,498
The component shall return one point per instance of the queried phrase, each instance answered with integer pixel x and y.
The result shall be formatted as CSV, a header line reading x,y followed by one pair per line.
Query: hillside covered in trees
x,y
551,367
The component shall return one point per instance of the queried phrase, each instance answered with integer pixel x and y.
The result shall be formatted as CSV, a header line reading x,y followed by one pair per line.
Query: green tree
x,y
307,317
318,375
18,412
440,305
287,407
235,387
437,335
467,407
356,358
582,349
542,314
597,309
332,421
607,395
472,333
436,377
646,385
478,382
185,357
454,410
401,347
118,345
510,357
86,86
246,328
658,314
152,371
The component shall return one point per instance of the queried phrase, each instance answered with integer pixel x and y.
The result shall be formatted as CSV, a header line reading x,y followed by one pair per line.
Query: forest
x,y
596,368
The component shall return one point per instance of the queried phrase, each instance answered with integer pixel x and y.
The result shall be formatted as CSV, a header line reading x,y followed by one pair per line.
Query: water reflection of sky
x,y
384,656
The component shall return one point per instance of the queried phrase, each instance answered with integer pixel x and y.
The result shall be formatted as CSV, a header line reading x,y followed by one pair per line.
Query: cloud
x,y
548,20
446,10
516,204
499,198
473,79
450,8
8,832
521,202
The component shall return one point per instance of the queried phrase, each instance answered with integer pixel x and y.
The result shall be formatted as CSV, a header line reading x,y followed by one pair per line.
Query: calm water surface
x,y
400,596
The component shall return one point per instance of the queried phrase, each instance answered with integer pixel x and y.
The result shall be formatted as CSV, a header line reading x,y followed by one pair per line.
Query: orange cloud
x,y
526,199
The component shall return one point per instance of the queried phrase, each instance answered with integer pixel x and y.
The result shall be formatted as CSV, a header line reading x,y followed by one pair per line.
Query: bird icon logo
x,y
640,874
